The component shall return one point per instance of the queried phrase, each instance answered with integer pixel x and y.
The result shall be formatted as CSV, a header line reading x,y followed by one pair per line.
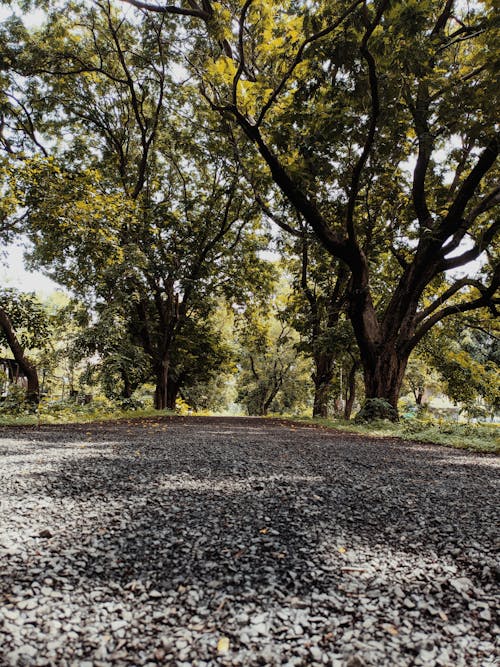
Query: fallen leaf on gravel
x,y
443,616
352,569
223,645
45,533
342,550
264,531
390,629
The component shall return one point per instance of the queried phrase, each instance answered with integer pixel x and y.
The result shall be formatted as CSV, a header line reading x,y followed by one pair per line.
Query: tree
x,y
102,340
466,355
352,108
421,377
19,137
23,326
200,356
272,373
316,307
146,204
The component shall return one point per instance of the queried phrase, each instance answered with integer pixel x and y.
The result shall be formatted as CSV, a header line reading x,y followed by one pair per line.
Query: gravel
x,y
211,541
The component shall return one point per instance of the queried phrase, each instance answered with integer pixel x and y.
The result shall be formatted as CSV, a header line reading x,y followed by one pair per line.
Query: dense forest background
x,y
262,207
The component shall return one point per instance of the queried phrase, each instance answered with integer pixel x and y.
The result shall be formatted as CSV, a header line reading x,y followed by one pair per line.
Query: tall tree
x,y
352,108
145,202
319,300
273,373
23,327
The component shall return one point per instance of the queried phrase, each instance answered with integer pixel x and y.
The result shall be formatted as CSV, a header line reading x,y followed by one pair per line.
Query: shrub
x,y
376,409
14,403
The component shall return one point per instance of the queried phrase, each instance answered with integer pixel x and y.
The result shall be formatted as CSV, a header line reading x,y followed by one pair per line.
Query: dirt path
x,y
200,541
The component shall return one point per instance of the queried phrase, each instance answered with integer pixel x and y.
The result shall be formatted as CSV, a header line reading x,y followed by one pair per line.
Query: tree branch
x,y
472,254
457,286
455,213
241,51
375,110
299,55
487,299
195,11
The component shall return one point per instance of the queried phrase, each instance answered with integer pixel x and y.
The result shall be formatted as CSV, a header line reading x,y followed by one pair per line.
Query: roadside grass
x,y
79,415
484,438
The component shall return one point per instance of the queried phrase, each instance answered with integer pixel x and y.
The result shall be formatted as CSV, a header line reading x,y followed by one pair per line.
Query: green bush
x,y
376,409
15,402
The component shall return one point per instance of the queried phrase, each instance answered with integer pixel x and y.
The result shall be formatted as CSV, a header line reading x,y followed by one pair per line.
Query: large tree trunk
x,y
383,353
385,377
28,368
172,392
161,384
322,378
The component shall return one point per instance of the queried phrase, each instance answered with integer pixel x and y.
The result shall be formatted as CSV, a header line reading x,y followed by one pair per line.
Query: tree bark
x,y
384,377
322,378
28,368
127,389
172,392
350,391
161,389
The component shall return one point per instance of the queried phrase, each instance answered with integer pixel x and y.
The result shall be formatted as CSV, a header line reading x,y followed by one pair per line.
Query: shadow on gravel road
x,y
249,510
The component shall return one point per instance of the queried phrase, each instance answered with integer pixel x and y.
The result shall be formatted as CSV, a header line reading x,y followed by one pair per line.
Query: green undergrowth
x,y
482,437
63,413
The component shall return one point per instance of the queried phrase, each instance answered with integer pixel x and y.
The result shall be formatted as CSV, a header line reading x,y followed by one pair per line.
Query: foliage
x,y
28,316
467,358
369,127
146,203
421,378
273,377
14,403
349,111
481,437
374,409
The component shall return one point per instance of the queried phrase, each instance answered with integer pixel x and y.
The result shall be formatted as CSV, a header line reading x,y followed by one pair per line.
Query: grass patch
x,y
79,415
484,438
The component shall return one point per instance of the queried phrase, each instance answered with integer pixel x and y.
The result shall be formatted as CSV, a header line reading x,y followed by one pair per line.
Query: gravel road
x,y
210,541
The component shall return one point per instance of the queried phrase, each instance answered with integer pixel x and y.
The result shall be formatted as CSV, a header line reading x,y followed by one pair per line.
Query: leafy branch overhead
x,y
352,110
154,142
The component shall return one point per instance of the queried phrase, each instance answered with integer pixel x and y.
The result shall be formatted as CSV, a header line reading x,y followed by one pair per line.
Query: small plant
x,y
14,403
376,409
130,404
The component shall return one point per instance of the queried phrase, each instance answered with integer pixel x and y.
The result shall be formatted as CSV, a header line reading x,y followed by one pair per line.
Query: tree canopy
x,y
146,147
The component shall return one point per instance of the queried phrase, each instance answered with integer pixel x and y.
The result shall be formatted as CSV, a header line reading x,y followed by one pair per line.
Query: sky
x,y
12,270
14,274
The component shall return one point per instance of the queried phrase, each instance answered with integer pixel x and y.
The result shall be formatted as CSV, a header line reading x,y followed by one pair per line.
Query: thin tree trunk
x,y
127,389
350,391
322,378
